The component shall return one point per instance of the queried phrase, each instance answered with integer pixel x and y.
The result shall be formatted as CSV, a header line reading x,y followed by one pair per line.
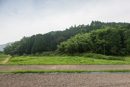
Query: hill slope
x,y
49,41
109,40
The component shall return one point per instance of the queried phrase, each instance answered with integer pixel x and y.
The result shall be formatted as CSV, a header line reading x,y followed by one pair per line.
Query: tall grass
x,y
64,60
87,55
100,56
50,53
2,58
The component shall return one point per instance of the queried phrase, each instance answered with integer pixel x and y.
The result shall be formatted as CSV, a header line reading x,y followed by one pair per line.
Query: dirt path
x,y
66,80
6,60
61,67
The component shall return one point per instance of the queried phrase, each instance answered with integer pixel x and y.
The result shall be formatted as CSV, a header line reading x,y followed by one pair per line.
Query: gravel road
x,y
66,80
61,67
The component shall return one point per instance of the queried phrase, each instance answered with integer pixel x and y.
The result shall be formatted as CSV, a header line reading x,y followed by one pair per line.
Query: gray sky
x,y
20,18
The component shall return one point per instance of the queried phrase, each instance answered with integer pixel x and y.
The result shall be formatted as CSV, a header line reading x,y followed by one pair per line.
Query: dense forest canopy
x,y
111,36
115,41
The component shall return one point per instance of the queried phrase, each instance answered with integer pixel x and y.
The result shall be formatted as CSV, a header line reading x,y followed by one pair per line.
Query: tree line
x,y
82,38
109,40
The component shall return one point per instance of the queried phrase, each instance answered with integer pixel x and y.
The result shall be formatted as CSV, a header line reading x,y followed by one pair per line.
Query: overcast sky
x,y
20,18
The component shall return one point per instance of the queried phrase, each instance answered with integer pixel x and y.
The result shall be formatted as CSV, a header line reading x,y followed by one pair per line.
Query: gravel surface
x,y
61,67
66,80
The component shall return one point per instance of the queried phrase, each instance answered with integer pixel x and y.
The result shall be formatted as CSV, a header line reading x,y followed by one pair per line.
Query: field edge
x,y
67,71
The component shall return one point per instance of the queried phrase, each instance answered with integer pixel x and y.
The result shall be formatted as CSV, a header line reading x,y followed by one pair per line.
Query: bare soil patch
x,y
66,80
61,67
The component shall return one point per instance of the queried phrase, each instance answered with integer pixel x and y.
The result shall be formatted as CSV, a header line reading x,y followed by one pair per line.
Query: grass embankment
x,y
88,59
65,71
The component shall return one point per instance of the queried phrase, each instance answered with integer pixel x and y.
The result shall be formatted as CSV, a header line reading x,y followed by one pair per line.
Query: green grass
x,y
100,56
65,71
65,60
2,57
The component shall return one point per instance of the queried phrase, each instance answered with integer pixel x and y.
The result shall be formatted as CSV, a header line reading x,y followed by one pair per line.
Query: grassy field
x,y
2,57
66,60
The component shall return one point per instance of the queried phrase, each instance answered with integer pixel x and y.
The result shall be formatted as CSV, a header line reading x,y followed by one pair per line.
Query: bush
x,y
100,56
51,53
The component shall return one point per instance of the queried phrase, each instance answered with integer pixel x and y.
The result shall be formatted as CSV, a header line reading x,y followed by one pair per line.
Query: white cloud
x,y
20,18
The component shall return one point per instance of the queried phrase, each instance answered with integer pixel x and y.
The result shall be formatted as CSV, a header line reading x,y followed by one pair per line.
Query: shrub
x,y
100,56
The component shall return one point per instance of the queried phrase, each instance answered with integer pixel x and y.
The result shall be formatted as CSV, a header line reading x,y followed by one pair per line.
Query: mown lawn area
x,y
65,60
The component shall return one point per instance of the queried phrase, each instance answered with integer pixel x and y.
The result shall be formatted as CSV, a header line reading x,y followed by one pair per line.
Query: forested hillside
x,y
82,42
109,40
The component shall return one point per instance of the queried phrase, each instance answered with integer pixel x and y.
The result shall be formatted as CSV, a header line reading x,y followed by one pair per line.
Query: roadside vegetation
x,y
67,71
